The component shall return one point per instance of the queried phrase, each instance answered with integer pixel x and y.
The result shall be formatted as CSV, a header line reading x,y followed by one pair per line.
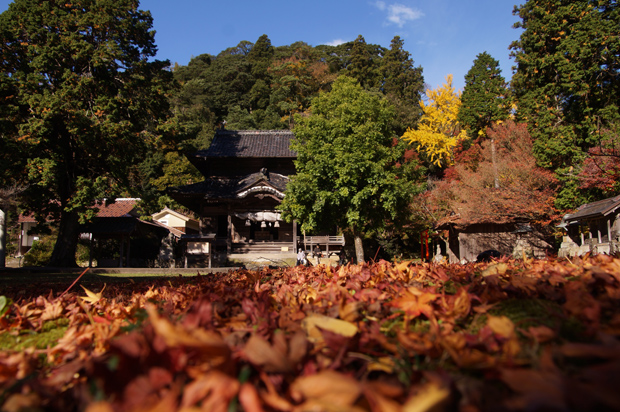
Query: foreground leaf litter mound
x,y
509,335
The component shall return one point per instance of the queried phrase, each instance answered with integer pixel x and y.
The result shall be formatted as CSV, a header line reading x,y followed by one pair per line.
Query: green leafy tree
x,y
484,99
567,82
347,170
90,98
403,84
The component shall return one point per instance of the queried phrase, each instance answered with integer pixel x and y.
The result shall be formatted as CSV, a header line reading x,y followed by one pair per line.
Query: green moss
x,y
49,335
530,312
525,313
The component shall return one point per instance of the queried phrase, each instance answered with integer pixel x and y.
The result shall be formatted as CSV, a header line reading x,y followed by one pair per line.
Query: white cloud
x,y
336,42
399,14
380,5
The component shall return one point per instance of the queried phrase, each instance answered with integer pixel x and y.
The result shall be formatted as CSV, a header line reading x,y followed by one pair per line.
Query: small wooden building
x,y
119,238
465,240
593,228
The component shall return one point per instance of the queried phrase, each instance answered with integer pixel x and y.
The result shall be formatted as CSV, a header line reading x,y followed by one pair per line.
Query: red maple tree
x,y
496,180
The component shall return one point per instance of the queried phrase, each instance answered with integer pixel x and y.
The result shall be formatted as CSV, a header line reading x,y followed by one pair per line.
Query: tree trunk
x,y
66,244
494,160
2,239
359,250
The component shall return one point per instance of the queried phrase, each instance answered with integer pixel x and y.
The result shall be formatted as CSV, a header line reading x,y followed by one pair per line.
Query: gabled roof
x,y
122,207
601,208
250,143
234,187
165,211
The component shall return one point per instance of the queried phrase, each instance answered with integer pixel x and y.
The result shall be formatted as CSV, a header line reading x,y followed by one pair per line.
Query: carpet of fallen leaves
x,y
508,335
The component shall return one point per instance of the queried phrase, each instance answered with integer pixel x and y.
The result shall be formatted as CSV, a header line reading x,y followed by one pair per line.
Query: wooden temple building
x,y
246,173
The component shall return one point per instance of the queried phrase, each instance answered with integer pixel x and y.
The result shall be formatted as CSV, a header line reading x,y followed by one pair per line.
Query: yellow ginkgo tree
x,y
438,131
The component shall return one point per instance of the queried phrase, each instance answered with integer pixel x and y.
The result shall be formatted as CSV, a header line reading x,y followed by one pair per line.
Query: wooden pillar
x,y
295,236
90,250
229,234
120,258
128,251
210,252
609,240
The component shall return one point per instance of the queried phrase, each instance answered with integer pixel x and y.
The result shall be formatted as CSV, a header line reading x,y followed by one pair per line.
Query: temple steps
x,y
263,247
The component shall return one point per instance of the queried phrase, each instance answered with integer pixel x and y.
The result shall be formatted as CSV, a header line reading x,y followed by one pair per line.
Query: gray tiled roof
x,y
250,143
215,188
595,209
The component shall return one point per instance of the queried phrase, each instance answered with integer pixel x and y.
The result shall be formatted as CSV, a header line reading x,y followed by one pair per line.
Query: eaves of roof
x,y
600,208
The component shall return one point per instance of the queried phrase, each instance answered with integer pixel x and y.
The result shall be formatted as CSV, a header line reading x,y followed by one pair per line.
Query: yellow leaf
x,y
313,324
497,269
431,397
501,326
92,297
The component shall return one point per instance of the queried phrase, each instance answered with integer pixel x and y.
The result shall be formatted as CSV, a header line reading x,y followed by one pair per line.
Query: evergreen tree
x,y
260,57
567,82
403,84
484,99
88,99
362,66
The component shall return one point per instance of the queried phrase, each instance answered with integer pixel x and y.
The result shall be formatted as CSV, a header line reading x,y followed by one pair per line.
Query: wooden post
x,y
210,251
609,241
122,251
128,251
295,236
229,233
90,250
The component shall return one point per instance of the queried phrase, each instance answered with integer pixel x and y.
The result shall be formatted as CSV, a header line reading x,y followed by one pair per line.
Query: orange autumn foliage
x,y
509,335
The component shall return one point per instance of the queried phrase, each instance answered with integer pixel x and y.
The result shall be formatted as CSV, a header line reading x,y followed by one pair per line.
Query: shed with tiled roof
x,y
592,228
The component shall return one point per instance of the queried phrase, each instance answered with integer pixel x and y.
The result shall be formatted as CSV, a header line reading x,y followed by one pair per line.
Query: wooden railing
x,y
324,242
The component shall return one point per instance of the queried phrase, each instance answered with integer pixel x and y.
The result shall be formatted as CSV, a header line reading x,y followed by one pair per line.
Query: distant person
x,y
317,254
301,257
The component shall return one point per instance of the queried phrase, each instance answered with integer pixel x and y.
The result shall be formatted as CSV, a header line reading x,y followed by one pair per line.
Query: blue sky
x,y
443,36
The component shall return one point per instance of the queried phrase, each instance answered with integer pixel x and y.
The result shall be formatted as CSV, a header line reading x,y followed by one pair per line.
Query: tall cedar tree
x,y
484,98
347,169
403,84
362,66
91,101
567,81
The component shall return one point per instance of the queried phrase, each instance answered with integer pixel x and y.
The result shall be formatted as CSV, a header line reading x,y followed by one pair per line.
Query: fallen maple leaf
x,y
92,297
313,324
415,302
430,397
326,390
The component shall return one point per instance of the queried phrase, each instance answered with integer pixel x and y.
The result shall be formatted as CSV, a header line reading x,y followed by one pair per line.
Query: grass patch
x,y
49,335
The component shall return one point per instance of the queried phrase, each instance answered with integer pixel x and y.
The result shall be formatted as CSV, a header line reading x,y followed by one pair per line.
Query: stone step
x,y
262,247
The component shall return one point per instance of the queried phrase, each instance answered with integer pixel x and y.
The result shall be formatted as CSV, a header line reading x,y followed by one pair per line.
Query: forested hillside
x,y
260,86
